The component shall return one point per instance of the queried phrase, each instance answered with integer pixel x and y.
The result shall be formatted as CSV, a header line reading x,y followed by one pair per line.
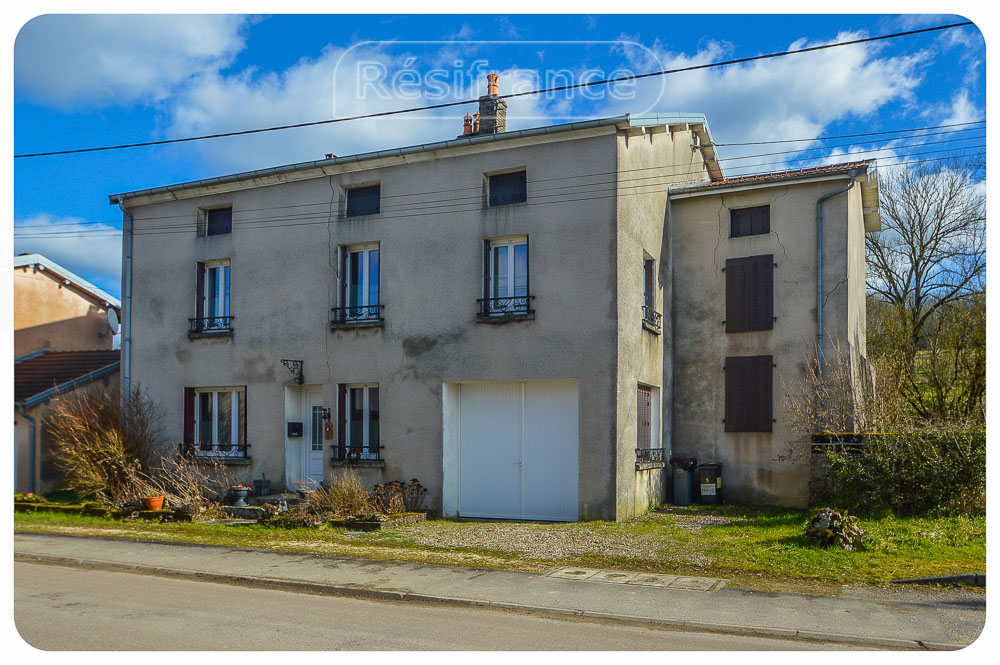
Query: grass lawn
x,y
752,547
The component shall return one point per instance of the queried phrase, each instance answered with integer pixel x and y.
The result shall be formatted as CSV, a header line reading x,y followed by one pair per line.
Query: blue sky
x,y
83,81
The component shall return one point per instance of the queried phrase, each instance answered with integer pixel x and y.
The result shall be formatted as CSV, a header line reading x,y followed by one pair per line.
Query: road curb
x,y
368,593
969,579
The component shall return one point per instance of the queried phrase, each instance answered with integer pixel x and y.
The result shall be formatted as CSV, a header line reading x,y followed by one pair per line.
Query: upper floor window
x,y
359,285
750,293
749,221
650,317
215,221
505,279
363,200
505,188
212,298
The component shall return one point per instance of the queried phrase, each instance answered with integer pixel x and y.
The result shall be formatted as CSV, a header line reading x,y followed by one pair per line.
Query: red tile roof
x,y
54,368
777,175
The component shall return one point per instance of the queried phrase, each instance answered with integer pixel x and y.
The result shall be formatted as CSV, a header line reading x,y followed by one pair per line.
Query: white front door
x,y
519,449
312,435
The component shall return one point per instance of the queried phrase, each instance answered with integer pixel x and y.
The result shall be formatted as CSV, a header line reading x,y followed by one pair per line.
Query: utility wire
x,y
615,173
279,222
587,84
852,136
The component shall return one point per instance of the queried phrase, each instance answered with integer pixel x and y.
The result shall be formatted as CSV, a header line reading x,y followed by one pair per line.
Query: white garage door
x,y
519,449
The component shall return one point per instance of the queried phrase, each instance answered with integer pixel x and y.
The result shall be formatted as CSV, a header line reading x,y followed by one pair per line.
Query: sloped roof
x,y
774,176
42,375
80,283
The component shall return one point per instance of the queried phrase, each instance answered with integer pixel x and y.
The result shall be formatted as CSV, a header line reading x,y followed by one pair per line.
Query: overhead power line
x,y
609,190
561,88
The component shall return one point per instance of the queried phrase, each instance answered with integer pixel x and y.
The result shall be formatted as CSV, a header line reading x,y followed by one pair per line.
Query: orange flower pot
x,y
153,502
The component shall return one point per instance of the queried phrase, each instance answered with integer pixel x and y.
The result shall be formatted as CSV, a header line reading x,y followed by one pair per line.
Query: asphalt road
x,y
57,608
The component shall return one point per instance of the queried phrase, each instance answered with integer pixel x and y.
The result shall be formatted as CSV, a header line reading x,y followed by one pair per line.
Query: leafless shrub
x,y
398,497
846,396
341,496
190,485
103,444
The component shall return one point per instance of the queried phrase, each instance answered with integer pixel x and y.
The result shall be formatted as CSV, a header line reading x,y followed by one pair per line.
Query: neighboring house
x,y
57,310
525,321
39,378
62,342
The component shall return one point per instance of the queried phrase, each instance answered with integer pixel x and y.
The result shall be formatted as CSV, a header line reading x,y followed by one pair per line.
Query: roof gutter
x,y
31,450
819,284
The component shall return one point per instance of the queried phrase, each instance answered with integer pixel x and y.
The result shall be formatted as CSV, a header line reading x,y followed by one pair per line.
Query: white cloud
x,y
93,251
962,110
796,96
331,85
67,60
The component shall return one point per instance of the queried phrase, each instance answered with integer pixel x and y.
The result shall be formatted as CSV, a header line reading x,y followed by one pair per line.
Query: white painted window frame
x,y
220,293
365,250
366,418
234,436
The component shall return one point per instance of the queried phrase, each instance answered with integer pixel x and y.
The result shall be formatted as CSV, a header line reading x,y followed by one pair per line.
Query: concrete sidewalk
x,y
898,623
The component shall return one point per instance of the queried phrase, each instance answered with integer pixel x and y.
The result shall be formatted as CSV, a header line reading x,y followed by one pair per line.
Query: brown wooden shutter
x,y
643,410
761,287
737,296
486,272
649,295
341,421
242,431
749,221
199,306
760,220
749,396
189,418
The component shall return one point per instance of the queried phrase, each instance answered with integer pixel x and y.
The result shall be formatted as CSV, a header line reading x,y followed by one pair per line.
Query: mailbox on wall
x,y
294,430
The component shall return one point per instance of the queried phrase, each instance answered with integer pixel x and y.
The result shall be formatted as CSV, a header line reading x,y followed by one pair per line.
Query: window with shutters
x,y
644,414
212,316
215,422
750,293
359,287
358,436
364,200
749,393
749,221
651,319
506,292
215,221
507,188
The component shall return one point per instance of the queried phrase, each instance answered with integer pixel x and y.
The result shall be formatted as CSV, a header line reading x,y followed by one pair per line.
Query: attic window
x,y
507,188
363,200
215,221
749,221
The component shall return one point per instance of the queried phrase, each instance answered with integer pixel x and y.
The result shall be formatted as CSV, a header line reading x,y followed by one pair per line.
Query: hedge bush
x,y
921,472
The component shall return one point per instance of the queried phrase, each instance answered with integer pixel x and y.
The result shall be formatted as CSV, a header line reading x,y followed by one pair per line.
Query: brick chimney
x,y
492,109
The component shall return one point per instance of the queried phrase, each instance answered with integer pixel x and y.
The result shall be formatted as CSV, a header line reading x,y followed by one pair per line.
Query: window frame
x,y
204,217
512,306
236,446
222,294
753,226
368,450
365,309
491,197
357,189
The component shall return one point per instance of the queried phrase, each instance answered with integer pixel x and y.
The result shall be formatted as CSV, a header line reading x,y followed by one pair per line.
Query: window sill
x,y
506,318
361,463
650,328
206,334
221,459
357,323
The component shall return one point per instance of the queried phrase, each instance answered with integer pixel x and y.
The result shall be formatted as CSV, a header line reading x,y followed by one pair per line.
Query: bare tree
x,y
932,248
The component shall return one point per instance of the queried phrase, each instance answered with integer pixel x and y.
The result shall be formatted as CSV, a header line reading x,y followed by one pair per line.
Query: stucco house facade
x,y
524,321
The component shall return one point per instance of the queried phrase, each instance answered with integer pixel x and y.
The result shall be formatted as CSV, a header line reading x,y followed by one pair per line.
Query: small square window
x,y
749,221
363,200
507,188
218,221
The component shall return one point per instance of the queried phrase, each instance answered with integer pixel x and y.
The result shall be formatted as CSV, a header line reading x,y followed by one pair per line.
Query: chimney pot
x,y
467,127
493,89
476,126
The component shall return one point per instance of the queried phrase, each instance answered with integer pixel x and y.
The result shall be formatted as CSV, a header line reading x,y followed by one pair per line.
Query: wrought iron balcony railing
x,y
652,318
212,324
357,453
511,307
358,315
650,455
225,451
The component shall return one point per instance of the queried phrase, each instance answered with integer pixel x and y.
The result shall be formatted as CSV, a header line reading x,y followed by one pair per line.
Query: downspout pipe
x,y
31,450
819,281
126,330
